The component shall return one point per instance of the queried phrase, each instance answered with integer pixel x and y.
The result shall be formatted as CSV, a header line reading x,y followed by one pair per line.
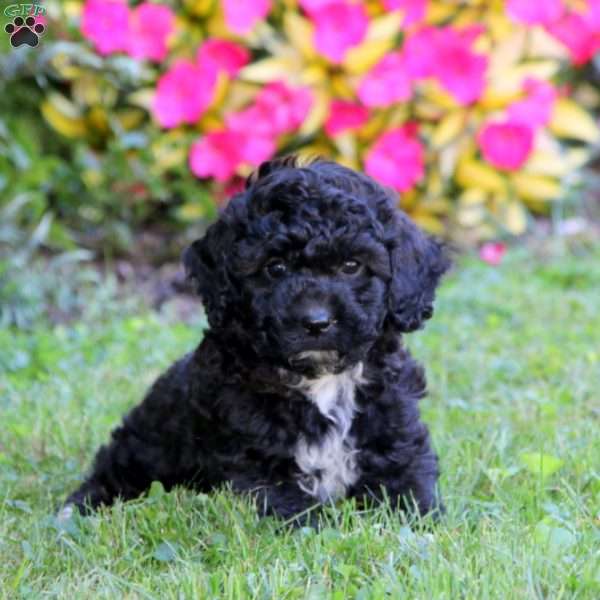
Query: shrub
x,y
161,109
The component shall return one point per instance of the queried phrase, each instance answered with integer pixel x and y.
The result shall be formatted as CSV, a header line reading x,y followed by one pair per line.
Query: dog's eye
x,y
276,268
351,267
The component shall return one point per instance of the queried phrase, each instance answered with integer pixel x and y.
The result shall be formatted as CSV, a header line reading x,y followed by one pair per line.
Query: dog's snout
x,y
316,319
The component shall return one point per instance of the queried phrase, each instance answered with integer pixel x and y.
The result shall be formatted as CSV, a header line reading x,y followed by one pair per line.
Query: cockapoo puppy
x,y
301,392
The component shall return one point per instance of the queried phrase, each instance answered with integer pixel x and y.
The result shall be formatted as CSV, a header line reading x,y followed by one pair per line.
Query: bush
x,y
152,114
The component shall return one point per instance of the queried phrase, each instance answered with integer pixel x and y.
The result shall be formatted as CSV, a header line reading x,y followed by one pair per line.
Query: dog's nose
x,y
316,319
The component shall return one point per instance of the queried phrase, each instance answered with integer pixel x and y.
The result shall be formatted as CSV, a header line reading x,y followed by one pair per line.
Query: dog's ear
x,y
417,263
205,263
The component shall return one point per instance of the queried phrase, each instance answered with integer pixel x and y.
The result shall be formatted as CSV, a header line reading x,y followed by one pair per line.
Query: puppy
x,y
301,392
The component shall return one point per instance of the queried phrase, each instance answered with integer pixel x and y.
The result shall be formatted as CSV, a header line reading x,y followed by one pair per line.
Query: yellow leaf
x,y
499,25
472,173
439,12
372,127
314,74
514,217
542,44
386,26
428,111
63,116
428,222
269,69
361,58
536,187
199,7
577,157
448,128
466,16
433,92
351,163
569,120
346,145
340,87
509,78
220,91
300,32
318,113
307,153
98,120
473,196
544,162
168,151
239,95
216,26
130,118
143,98
435,185
470,215
494,99
438,206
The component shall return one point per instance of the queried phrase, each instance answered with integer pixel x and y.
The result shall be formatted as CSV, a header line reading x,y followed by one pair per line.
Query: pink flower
x,y
420,52
242,15
445,54
414,10
150,26
397,159
532,12
506,145
579,33
277,109
535,109
492,253
344,115
388,82
222,55
106,24
338,27
459,70
219,154
183,93
311,6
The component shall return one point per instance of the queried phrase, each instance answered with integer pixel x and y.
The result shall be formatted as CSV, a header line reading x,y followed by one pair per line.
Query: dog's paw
x,y
24,32
65,513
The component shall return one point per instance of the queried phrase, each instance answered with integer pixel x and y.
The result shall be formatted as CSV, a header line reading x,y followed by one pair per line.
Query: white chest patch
x,y
328,465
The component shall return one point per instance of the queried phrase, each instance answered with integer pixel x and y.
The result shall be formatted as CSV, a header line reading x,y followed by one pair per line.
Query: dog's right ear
x,y
205,263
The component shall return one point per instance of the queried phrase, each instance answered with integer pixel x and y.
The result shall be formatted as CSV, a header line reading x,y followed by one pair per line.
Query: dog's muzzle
x,y
323,360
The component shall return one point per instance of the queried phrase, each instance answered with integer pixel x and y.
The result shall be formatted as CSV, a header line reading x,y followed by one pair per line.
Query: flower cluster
x,y
142,32
453,104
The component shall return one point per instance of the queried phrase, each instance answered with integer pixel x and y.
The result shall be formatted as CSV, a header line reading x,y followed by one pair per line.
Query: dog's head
x,y
310,265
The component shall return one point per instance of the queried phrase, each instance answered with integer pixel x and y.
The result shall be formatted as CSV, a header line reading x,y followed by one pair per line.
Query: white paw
x,y
65,513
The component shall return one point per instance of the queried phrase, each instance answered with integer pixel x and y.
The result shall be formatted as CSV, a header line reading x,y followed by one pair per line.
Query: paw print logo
x,y
24,32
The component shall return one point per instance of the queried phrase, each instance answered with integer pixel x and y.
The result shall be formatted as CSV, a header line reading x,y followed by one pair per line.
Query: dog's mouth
x,y
323,360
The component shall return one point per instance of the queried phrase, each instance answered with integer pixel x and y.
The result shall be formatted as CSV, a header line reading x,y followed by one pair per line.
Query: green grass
x,y
513,359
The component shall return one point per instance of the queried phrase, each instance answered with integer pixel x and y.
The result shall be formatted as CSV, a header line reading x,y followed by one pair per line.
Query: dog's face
x,y
309,265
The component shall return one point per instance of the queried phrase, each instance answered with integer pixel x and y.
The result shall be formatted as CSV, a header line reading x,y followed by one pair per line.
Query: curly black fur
x,y
301,391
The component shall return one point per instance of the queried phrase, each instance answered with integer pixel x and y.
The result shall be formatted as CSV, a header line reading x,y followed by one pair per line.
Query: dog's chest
x,y
328,465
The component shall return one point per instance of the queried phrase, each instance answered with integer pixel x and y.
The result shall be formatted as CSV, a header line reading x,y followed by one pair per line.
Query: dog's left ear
x,y
205,263
417,263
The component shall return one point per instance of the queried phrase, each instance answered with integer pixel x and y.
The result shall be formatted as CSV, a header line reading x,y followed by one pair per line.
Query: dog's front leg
x,y
285,500
155,442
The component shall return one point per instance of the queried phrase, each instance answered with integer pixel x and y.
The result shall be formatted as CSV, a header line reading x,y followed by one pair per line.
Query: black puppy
x,y
301,392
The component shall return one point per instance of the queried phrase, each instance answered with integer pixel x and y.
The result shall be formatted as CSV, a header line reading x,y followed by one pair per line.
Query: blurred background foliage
x,y
131,126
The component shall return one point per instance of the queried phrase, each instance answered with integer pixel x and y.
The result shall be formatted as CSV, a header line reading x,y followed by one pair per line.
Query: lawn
x,y
513,359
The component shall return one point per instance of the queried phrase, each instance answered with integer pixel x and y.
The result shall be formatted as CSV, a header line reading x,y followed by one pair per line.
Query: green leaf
x,y
166,552
555,538
540,464
156,490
